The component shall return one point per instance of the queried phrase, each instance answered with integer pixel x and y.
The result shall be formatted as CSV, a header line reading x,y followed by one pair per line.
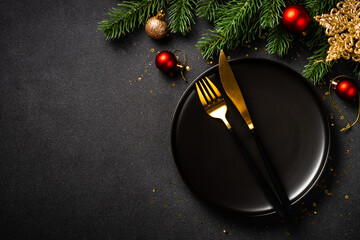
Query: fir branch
x,y
232,28
209,9
317,67
318,7
279,41
128,16
270,13
181,15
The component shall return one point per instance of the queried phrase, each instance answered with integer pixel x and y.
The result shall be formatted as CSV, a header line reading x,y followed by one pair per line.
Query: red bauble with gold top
x,y
166,61
295,18
346,89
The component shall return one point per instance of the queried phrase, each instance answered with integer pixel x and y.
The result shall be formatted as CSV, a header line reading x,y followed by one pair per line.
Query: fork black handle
x,y
279,187
270,194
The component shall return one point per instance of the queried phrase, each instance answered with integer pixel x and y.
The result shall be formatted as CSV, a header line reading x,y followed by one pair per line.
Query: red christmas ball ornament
x,y
346,88
295,18
166,61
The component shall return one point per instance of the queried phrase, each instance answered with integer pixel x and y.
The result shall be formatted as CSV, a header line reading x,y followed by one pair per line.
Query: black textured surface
x,y
84,143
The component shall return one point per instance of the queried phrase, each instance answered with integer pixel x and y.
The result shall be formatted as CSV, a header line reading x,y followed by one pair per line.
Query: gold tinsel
x,y
343,27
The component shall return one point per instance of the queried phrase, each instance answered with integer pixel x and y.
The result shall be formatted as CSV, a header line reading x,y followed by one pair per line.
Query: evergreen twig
x,y
270,13
181,15
128,16
232,28
209,9
317,67
279,41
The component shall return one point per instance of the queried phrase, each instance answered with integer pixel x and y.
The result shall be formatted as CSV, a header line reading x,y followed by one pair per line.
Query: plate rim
x,y
308,188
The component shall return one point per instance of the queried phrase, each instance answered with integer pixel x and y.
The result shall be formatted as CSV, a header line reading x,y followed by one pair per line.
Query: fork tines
x,y
212,91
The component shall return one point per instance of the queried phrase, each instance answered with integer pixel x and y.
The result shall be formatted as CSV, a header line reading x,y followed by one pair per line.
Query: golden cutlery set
x,y
216,107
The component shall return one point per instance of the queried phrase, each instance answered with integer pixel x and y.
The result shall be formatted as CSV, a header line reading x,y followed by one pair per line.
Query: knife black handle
x,y
279,187
270,194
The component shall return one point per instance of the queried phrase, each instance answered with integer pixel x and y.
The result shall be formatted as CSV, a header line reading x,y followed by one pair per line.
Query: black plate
x,y
290,120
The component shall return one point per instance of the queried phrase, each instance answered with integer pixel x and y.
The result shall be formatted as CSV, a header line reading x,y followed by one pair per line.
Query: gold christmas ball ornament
x,y
156,27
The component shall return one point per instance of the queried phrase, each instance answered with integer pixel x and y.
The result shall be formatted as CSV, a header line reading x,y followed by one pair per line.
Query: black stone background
x,y
84,143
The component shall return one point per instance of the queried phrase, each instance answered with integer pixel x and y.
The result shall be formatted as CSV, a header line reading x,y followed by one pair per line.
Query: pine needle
x,y
279,41
232,27
209,9
317,67
270,13
181,16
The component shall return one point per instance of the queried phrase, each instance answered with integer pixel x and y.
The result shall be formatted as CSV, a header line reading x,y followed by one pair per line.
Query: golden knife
x,y
233,91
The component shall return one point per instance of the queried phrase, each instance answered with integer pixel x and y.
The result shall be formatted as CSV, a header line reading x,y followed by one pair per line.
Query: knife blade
x,y
232,89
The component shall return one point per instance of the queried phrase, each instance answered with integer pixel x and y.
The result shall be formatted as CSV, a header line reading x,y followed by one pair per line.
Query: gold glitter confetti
x,y
158,52
341,215
255,48
326,191
153,190
315,212
180,200
332,124
331,169
225,232
145,70
314,204
152,50
246,55
173,84
187,68
139,79
179,217
331,115
151,91
211,62
165,205
197,58
346,196
330,194
210,57
347,151
228,57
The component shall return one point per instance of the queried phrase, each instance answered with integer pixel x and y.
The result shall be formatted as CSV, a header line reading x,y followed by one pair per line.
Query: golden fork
x,y
215,106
